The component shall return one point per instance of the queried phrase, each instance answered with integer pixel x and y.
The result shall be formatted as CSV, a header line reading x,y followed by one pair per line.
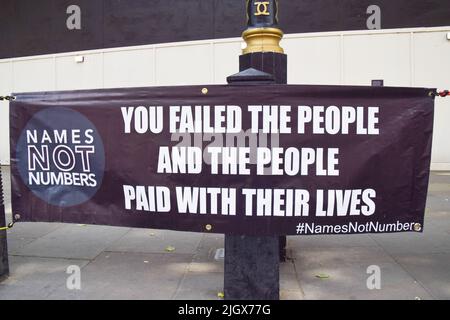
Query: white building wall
x,y
401,57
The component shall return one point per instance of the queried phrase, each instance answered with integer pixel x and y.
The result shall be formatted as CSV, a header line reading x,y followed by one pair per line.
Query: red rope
x,y
444,93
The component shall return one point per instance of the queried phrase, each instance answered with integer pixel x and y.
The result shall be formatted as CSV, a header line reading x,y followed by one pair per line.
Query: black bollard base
x,y
251,268
275,64
252,264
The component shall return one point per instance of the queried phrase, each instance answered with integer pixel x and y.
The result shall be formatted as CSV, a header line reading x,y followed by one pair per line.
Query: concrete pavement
x,y
126,263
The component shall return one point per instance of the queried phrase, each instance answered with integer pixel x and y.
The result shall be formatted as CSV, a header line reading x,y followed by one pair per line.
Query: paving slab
x,y
73,241
289,282
438,221
288,266
329,241
200,286
341,273
414,243
15,245
438,201
431,270
291,294
126,275
204,259
439,176
32,229
156,241
35,278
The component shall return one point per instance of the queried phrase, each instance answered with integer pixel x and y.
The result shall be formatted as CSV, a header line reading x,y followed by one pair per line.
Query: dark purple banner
x,y
254,160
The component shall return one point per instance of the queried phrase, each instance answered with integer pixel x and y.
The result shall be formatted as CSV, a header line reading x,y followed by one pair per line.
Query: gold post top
x,y
262,40
262,34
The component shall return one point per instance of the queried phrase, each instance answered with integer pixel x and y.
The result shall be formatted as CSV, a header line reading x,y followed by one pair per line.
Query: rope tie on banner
x,y
441,94
8,98
9,226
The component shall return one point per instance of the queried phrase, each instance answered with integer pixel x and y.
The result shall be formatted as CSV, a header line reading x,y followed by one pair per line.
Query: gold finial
x,y
263,40
262,34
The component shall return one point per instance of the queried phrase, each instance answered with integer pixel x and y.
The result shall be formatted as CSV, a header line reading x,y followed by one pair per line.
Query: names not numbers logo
x,y
61,157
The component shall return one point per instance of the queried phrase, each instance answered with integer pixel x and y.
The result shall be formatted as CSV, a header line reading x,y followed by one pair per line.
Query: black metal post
x,y
252,263
4,266
276,64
